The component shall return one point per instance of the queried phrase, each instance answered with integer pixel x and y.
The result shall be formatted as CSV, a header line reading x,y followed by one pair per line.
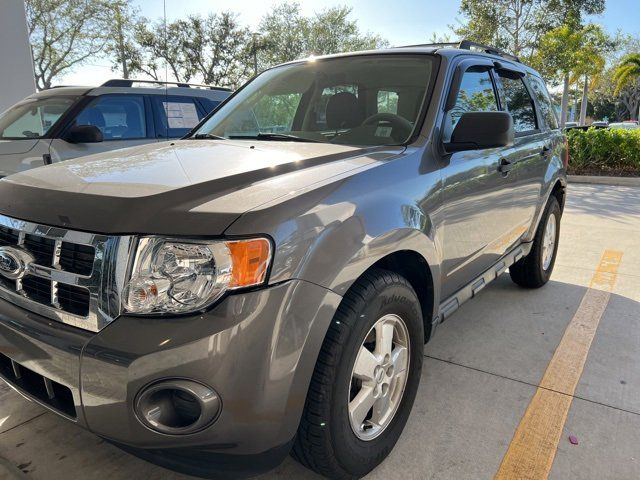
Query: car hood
x,y
16,147
191,187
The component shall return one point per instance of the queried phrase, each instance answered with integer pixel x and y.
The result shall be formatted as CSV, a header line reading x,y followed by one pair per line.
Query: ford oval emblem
x,y
14,262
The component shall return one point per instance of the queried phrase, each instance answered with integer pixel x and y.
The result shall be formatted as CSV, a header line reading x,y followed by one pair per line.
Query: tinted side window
x,y
119,117
517,101
476,94
547,108
175,116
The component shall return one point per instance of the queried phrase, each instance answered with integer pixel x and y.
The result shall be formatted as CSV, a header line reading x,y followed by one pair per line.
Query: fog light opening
x,y
177,406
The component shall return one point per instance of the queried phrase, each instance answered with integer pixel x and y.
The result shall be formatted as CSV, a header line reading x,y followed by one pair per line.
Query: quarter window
x,y
119,117
517,101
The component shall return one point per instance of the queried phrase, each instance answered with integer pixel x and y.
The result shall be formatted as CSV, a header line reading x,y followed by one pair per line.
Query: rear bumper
x,y
257,350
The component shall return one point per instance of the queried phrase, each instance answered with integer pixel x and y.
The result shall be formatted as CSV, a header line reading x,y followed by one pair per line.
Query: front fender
x,y
331,234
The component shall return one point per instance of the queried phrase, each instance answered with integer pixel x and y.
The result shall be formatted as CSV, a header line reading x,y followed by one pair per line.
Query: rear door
x,y
477,199
530,150
122,119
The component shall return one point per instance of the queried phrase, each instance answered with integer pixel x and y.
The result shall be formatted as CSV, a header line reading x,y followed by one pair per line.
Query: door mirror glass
x,y
481,130
84,134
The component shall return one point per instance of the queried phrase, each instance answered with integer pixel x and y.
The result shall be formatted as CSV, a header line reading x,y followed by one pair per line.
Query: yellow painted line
x,y
533,447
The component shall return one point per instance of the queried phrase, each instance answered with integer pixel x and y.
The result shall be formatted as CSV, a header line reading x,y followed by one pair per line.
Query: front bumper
x,y
257,350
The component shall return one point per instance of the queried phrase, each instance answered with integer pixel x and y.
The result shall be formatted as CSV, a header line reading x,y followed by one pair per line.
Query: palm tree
x,y
627,71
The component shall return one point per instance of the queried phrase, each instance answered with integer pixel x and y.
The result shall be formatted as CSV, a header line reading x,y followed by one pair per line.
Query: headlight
x,y
177,276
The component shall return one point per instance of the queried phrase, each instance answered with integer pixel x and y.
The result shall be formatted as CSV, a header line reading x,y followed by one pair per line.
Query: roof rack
x,y
469,45
122,82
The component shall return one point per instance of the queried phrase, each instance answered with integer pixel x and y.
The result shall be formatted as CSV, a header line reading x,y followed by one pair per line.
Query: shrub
x,y
605,151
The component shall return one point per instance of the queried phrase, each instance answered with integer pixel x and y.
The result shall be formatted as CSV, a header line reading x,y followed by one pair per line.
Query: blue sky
x,y
402,22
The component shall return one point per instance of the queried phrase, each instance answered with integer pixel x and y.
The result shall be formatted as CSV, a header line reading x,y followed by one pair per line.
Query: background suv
x,y
266,284
68,122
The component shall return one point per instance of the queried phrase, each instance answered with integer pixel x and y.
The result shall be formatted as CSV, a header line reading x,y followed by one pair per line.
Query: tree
x,y
565,52
218,49
518,25
512,25
627,71
288,35
122,46
65,34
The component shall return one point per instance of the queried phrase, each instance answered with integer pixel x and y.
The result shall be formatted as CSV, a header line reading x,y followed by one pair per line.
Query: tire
x,y
326,441
531,271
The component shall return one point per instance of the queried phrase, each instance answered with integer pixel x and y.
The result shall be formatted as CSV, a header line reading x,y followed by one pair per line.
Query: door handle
x,y
505,166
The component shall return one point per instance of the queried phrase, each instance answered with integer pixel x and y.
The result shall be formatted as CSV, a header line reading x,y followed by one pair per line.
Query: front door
x,y
477,199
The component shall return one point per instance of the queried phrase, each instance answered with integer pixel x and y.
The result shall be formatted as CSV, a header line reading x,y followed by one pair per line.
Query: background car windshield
x,y
365,100
33,119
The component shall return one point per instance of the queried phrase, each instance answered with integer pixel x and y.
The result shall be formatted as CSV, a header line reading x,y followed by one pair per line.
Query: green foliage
x,y
627,71
518,25
607,151
65,34
288,35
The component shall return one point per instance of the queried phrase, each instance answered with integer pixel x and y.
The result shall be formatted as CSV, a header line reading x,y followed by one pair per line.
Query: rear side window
x,y
119,117
175,116
517,101
476,94
544,102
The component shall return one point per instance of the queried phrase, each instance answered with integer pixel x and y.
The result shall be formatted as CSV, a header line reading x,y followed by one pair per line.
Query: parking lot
x,y
482,371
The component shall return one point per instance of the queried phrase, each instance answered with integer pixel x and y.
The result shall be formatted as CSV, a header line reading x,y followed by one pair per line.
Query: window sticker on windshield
x,y
181,115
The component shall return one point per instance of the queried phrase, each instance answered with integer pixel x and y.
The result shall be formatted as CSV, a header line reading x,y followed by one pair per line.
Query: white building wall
x,y
16,63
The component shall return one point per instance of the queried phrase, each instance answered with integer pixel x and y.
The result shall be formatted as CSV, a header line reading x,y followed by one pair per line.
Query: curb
x,y
601,180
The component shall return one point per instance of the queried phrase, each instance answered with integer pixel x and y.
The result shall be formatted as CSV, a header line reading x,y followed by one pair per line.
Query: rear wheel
x,y
365,380
534,270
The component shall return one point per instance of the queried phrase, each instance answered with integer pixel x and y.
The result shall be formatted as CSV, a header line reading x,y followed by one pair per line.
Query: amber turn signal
x,y
250,259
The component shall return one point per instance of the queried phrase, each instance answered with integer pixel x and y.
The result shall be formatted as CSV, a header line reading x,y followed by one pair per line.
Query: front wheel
x,y
534,270
365,380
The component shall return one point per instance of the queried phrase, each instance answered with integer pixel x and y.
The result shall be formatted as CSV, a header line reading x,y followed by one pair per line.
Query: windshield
x,y
33,118
362,100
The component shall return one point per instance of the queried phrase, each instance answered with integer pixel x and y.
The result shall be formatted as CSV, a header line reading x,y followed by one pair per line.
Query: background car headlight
x,y
176,276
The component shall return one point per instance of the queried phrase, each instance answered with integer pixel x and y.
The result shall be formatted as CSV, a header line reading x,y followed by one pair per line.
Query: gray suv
x,y
266,285
69,122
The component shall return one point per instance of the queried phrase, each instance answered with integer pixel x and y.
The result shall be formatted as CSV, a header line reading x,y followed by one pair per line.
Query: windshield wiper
x,y
274,136
207,136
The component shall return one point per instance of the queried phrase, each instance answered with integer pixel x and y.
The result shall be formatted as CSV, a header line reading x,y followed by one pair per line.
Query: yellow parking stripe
x,y
533,447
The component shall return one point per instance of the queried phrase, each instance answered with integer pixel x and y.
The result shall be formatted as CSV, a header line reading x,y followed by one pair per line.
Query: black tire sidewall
x,y
357,456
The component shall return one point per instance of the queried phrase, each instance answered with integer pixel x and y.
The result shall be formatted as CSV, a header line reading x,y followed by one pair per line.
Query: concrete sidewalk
x,y
480,374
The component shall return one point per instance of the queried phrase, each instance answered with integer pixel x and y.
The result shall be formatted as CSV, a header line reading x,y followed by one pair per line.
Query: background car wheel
x,y
365,380
534,270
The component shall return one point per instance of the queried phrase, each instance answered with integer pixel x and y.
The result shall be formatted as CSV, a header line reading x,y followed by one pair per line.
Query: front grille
x,y
72,277
77,258
53,394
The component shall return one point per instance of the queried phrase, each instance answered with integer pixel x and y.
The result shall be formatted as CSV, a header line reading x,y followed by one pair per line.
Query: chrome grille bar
x,y
104,284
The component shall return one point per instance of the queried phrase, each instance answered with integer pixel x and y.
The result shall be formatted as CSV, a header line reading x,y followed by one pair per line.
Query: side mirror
x,y
84,134
481,130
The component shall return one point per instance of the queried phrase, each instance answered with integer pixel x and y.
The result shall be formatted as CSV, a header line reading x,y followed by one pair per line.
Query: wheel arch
x,y
415,268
